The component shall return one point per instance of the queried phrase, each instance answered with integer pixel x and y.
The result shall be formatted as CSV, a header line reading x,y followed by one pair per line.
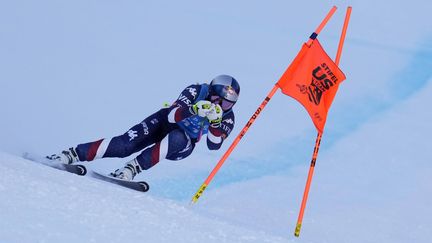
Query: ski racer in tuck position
x,y
170,133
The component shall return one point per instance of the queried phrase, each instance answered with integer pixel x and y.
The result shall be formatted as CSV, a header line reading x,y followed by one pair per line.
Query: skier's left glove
x,y
215,115
202,108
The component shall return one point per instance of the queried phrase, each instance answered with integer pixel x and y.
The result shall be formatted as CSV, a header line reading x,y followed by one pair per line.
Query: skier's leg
x,y
135,139
176,146
119,146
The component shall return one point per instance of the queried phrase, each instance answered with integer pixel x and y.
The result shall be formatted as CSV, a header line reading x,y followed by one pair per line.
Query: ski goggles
x,y
225,104
226,92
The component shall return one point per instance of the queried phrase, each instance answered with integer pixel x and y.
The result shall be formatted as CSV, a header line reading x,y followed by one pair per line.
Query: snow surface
x,y
40,204
76,71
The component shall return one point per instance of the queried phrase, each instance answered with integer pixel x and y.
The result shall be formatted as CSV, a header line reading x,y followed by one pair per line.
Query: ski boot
x,y
68,156
128,172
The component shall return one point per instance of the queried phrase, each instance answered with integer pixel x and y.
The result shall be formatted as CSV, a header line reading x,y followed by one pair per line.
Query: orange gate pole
x,y
254,116
234,144
318,139
308,183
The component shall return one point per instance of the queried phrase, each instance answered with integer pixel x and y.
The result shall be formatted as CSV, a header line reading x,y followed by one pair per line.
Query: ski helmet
x,y
224,90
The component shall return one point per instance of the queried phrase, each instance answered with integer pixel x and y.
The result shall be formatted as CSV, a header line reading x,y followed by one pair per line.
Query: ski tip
x,y
82,170
144,185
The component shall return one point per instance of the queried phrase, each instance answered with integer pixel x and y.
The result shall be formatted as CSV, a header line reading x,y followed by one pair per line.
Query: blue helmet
x,y
225,91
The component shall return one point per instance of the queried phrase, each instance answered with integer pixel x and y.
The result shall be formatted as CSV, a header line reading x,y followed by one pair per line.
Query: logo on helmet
x,y
230,94
230,90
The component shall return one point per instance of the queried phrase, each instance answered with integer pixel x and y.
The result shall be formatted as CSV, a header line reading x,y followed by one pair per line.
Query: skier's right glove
x,y
202,108
215,115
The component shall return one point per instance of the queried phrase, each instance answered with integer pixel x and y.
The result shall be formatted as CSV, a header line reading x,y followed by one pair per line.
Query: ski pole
x,y
318,139
234,144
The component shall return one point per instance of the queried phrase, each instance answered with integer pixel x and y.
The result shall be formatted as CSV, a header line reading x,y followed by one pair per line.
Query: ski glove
x,y
215,114
202,108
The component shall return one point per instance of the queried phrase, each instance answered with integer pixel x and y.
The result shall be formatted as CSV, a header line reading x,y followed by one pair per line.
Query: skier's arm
x,y
182,107
219,132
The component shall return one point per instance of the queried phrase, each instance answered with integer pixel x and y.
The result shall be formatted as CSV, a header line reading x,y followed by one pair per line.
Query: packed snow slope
x,y
372,186
41,204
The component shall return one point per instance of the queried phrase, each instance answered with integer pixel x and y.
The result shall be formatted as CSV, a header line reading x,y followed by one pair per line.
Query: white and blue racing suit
x,y
169,133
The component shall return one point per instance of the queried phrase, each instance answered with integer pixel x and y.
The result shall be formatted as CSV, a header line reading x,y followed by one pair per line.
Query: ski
x,y
72,168
141,186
